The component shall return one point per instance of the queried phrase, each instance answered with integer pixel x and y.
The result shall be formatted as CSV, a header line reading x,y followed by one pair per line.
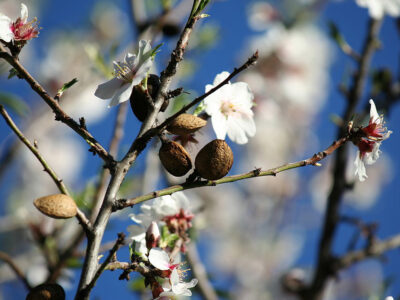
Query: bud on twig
x,y
152,236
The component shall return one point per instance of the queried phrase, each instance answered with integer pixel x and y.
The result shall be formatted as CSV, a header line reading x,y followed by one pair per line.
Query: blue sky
x,y
234,36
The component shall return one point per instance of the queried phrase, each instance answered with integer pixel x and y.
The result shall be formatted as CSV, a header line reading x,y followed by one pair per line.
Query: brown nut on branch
x,y
186,124
214,160
175,158
47,291
58,206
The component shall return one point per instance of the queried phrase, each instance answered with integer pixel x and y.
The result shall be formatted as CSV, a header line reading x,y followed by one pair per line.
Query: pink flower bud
x,y
152,235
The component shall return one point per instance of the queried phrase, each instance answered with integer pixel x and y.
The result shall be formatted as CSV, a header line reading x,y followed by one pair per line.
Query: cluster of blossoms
x,y
18,31
172,214
369,141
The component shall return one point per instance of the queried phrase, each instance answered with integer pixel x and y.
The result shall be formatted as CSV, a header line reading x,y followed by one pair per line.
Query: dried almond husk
x,y
214,160
141,100
175,158
47,291
186,124
58,206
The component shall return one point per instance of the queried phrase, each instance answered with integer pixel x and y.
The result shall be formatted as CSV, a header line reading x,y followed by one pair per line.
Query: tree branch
x,y
111,255
59,182
123,203
322,273
8,260
376,249
60,115
122,167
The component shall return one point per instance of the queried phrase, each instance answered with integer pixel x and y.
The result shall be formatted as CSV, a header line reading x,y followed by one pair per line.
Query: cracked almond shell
x,y
214,160
175,158
186,124
47,291
58,206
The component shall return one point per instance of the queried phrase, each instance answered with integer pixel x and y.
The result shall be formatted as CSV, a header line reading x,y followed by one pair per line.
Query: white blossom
x,y
175,285
230,110
127,74
177,205
368,146
19,30
378,8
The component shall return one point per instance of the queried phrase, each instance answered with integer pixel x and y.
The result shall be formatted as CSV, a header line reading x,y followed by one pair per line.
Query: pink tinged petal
x,y
159,259
360,168
373,114
5,29
24,13
107,89
122,94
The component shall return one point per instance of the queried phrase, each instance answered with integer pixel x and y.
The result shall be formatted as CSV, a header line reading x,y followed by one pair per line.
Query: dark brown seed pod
x,y
58,206
141,100
47,291
214,160
175,158
186,124
170,29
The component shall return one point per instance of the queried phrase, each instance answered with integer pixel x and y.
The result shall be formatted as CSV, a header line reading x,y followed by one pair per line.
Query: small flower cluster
x,y
369,141
20,30
171,214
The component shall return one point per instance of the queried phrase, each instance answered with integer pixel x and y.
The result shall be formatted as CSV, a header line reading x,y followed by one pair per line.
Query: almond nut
x,y
186,124
47,291
175,158
214,160
58,206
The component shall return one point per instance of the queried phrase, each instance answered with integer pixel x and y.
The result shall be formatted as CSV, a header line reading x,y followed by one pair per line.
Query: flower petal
x,y
373,113
360,168
5,29
159,259
122,94
24,13
107,89
220,125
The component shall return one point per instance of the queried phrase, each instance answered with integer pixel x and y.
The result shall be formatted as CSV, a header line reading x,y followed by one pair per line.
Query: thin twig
x,y
111,255
59,182
60,115
8,260
374,250
123,203
116,137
